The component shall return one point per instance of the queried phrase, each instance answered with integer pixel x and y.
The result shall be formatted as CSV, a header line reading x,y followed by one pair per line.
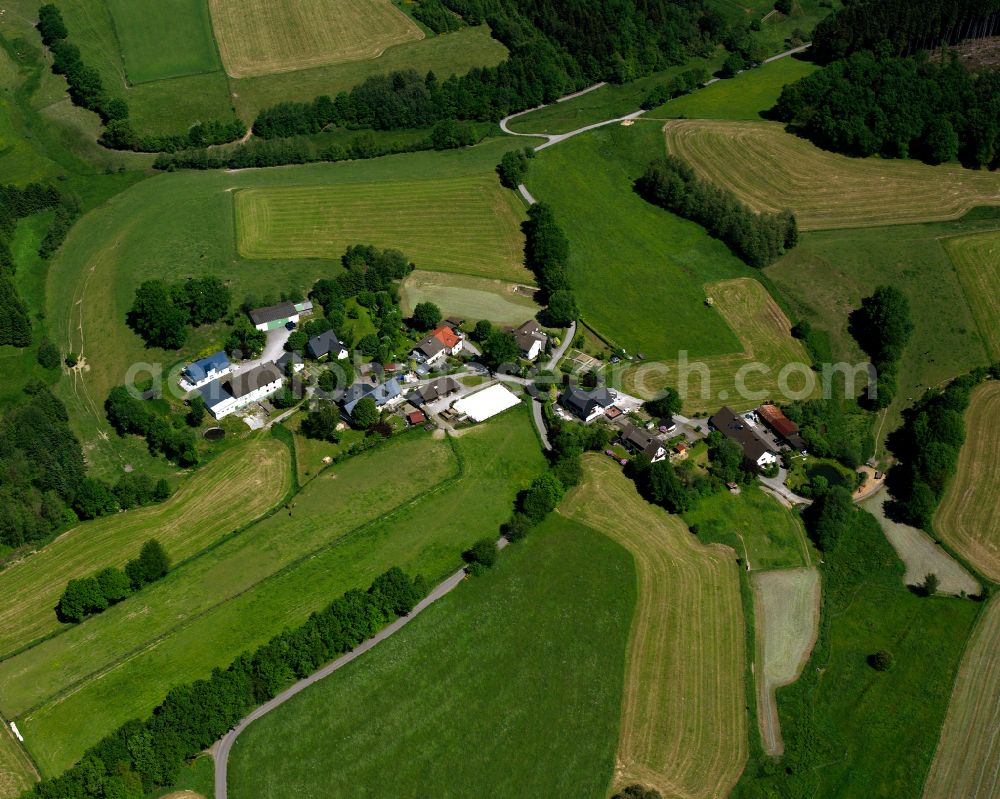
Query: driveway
x,y
274,348
561,350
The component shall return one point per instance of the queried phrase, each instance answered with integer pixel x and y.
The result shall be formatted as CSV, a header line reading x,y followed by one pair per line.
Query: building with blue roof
x,y
207,369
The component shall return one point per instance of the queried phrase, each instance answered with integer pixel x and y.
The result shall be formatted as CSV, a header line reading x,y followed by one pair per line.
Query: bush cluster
x,y
143,755
128,415
161,312
759,239
682,84
90,595
882,327
436,17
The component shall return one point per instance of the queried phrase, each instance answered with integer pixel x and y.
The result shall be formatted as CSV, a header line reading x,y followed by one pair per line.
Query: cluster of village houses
x,y
227,389
761,434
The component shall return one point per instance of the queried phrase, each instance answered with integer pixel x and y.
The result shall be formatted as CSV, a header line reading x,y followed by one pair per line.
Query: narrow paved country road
x,y
561,350
777,486
224,746
536,414
528,198
555,138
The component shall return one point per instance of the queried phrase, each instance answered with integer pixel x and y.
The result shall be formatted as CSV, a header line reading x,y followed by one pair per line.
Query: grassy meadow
x,y
417,524
474,696
164,40
233,490
770,170
684,720
258,37
176,226
467,297
764,333
17,774
977,263
755,525
775,26
468,225
744,96
967,518
638,272
825,277
786,609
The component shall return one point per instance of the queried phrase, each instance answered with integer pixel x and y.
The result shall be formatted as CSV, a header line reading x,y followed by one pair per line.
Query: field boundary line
x,y
107,668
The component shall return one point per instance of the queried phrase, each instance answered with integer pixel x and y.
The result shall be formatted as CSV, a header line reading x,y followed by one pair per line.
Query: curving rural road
x,y
555,138
224,745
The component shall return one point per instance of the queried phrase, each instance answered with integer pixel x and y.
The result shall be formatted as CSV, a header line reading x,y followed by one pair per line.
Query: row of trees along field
x,y
547,253
927,446
554,48
86,89
143,755
15,204
89,595
759,239
902,27
882,327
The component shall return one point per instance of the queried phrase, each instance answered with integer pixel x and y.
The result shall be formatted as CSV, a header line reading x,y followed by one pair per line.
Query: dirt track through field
x,y
967,762
684,721
968,517
771,170
261,37
786,611
235,488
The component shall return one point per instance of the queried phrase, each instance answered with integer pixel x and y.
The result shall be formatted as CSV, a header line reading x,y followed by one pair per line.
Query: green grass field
x,y
474,697
164,40
172,227
246,482
742,97
347,539
977,263
829,272
467,297
755,525
638,272
775,27
420,217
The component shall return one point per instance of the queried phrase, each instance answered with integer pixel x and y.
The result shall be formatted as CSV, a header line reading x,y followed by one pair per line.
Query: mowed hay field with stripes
x,y
260,37
235,488
786,614
977,263
770,170
765,333
468,225
968,517
684,719
967,762
17,773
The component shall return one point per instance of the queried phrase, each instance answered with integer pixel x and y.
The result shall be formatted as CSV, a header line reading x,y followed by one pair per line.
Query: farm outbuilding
x,y
486,403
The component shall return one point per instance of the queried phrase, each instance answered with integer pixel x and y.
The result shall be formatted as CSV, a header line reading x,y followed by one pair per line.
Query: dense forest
x,y
41,469
759,239
902,27
899,108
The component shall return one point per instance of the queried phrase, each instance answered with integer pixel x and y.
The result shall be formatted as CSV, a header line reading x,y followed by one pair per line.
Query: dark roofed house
x,y
383,394
586,405
530,338
273,316
641,441
222,397
436,389
429,350
735,428
326,344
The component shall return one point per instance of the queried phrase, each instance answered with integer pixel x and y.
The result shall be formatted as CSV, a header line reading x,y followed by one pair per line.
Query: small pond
x,y
833,476
215,434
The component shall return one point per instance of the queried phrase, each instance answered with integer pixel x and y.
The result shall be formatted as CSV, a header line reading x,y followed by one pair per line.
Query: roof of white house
x,y
272,313
323,344
199,370
246,382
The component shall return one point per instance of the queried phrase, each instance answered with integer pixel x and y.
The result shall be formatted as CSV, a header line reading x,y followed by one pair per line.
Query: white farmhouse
x,y
223,397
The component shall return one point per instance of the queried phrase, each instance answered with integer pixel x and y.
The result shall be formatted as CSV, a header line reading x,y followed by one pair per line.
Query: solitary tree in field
x,y
931,584
426,315
881,660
